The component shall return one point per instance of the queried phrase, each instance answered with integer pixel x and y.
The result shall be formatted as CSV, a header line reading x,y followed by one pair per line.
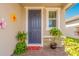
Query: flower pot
x,y
53,45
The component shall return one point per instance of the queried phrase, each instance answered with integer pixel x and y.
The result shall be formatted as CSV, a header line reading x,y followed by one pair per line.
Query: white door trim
x,y
34,8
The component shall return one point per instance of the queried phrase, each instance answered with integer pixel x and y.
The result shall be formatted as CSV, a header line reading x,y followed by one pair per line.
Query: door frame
x,y
34,8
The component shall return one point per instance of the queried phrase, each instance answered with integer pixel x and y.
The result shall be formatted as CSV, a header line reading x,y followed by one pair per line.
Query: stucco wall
x,y
71,31
8,35
62,27
73,21
61,21
45,31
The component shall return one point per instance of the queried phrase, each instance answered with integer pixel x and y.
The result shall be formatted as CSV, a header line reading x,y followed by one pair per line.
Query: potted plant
x,y
21,44
56,34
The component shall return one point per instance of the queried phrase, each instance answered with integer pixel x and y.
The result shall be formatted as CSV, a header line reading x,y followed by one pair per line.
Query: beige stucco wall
x,y
71,31
73,22
45,31
61,27
62,22
8,35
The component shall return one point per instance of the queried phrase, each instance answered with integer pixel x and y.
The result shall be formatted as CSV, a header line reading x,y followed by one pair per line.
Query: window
x,y
51,19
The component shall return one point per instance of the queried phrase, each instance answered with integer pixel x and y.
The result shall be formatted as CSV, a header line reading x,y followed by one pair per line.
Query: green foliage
x,y
71,46
21,45
55,32
21,36
20,48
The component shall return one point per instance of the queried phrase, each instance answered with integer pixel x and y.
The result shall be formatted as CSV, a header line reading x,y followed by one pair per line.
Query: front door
x,y
34,26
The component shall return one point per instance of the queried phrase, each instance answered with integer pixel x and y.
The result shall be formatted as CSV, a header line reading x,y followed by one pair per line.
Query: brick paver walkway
x,y
46,51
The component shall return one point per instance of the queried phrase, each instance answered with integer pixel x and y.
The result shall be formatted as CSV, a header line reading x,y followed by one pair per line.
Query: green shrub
x,y
55,33
71,46
21,36
20,48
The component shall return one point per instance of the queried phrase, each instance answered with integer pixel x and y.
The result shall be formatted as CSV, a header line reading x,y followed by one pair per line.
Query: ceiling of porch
x,y
44,4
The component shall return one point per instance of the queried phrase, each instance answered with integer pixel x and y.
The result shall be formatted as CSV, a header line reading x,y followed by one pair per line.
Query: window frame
x,y
57,17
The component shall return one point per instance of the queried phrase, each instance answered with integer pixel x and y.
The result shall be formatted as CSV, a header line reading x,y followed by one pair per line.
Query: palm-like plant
x,y
55,33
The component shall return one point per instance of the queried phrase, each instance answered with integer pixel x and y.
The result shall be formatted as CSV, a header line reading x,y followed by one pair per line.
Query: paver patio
x,y
46,51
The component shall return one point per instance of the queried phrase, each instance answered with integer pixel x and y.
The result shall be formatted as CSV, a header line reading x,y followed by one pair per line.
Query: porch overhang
x,y
68,5
44,4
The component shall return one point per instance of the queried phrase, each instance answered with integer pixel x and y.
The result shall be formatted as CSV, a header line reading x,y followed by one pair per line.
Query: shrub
x,y
20,48
21,36
21,45
55,33
71,46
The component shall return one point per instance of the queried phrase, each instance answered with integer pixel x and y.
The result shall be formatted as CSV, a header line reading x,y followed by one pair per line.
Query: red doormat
x,y
34,47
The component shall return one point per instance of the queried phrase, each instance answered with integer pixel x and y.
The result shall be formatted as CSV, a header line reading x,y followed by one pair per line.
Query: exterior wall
x,y
61,26
45,31
8,42
62,22
71,31
8,35
73,22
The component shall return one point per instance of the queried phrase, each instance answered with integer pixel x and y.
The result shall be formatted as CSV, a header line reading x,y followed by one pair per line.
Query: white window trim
x,y
57,17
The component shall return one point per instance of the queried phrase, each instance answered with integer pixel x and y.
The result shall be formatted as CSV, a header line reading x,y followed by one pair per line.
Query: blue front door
x,y
34,26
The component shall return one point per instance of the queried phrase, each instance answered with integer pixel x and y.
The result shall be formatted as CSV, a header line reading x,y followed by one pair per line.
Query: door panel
x,y
34,26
